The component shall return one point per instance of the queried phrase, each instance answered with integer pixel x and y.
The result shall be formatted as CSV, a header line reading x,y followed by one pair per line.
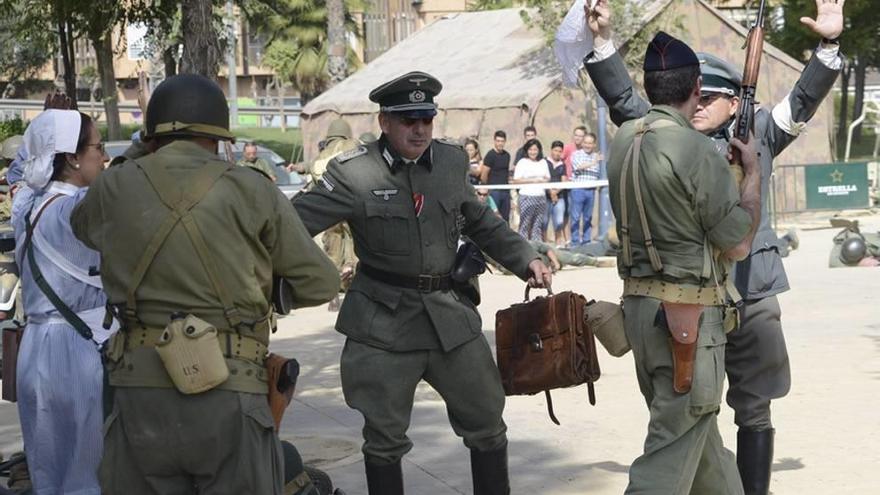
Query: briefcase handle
x,y
528,287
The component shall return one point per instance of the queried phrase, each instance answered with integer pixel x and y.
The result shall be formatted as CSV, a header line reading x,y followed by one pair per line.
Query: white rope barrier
x,y
588,184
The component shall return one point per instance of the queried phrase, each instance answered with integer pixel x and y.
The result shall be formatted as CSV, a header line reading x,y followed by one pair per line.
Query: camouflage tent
x,y
498,74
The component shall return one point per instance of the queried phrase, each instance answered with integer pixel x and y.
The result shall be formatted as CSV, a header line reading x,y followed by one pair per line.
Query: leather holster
x,y
281,385
683,322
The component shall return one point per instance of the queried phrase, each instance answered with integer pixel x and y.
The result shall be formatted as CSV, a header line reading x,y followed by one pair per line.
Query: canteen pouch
x,y
606,320
190,352
683,323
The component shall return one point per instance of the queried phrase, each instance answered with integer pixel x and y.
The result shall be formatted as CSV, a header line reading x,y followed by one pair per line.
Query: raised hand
x,y
598,18
829,19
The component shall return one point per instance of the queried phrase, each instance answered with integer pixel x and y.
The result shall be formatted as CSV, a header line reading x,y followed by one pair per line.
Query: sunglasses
x,y
100,147
409,121
482,195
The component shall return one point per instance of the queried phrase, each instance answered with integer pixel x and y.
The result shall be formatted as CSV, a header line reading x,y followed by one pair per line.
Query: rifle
x,y
745,116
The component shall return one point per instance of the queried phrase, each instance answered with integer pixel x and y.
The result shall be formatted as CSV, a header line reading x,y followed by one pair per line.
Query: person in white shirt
x,y
532,169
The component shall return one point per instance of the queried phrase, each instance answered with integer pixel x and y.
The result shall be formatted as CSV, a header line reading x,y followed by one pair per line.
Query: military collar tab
x,y
395,162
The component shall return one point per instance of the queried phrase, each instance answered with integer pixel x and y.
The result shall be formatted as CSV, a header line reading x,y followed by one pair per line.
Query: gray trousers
x,y
382,384
158,441
757,364
684,453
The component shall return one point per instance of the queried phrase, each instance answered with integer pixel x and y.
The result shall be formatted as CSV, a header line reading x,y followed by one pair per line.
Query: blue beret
x,y
665,53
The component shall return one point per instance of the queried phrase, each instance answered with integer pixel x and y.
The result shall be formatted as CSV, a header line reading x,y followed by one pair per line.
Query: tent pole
x,y
604,200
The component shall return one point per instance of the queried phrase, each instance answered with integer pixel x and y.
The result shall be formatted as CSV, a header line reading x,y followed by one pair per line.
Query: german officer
x,y
407,200
757,360
181,231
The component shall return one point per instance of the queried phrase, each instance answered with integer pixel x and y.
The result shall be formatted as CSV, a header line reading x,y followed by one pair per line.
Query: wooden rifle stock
x,y
745,116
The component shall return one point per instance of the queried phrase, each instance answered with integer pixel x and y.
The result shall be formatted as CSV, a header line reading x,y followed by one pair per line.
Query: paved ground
x,y
827,428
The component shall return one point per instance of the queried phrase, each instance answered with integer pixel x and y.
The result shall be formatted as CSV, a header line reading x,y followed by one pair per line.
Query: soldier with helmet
x,y
757,360
407,201
189,246
336,240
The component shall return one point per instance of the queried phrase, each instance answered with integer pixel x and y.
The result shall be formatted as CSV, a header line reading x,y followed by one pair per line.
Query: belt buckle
x,y
425,283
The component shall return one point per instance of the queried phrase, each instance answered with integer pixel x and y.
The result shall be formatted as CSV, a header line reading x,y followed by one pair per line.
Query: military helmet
x,y
10,147
188,105
853,250
339,128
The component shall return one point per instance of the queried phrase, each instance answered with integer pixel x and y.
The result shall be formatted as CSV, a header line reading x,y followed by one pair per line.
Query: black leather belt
x,y
421,283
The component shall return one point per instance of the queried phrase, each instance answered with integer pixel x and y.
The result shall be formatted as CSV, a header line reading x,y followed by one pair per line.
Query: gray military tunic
x,y
406,219
757,360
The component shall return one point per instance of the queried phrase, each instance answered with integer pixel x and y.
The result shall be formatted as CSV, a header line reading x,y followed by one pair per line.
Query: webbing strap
x,y
180,202
68,314
632,161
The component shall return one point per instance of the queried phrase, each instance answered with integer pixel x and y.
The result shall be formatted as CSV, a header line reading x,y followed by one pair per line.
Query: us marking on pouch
x,y
385,193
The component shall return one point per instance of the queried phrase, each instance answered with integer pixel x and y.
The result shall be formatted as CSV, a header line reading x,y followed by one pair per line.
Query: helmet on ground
x,y
853,250
188,105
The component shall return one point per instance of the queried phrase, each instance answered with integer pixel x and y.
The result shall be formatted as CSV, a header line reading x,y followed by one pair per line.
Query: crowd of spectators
x,y
568,213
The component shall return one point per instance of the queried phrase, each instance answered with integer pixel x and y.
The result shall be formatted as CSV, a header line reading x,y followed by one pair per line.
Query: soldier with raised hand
x,y
681,219
187,237
757,360
407,200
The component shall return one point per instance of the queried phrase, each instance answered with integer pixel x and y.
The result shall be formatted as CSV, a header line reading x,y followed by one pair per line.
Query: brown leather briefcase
x,y
11,343
545,344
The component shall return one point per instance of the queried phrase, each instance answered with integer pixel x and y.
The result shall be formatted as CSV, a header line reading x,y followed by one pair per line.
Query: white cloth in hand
x,y
573,42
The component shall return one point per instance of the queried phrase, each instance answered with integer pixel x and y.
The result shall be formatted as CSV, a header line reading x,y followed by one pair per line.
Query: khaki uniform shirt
x,y
407,218
261,165
249,225
689,194
334,147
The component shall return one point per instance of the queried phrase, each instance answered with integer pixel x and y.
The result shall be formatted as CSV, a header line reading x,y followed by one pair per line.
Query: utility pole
x,y
232,71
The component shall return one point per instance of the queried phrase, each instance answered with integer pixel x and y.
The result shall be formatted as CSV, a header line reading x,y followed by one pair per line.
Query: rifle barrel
x,y
759,21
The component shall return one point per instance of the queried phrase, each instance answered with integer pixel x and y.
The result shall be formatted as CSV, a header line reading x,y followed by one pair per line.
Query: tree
x,y
298,49
336,62
21,58
858,44
201,44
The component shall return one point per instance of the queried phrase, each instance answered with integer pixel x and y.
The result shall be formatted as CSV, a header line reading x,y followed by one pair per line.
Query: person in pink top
x,y
577,138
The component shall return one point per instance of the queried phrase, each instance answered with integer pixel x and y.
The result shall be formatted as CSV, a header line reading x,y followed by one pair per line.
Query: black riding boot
x,y
489,471
384,479
754,458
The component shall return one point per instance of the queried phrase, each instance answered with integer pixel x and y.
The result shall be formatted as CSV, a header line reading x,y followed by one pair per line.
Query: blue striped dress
x,y
59,372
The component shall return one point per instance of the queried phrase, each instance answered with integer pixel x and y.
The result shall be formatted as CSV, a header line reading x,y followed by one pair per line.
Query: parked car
x,y
290,183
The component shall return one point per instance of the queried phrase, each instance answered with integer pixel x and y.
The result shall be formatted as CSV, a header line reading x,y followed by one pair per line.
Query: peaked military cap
x,y
719,76
411,94
665,53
